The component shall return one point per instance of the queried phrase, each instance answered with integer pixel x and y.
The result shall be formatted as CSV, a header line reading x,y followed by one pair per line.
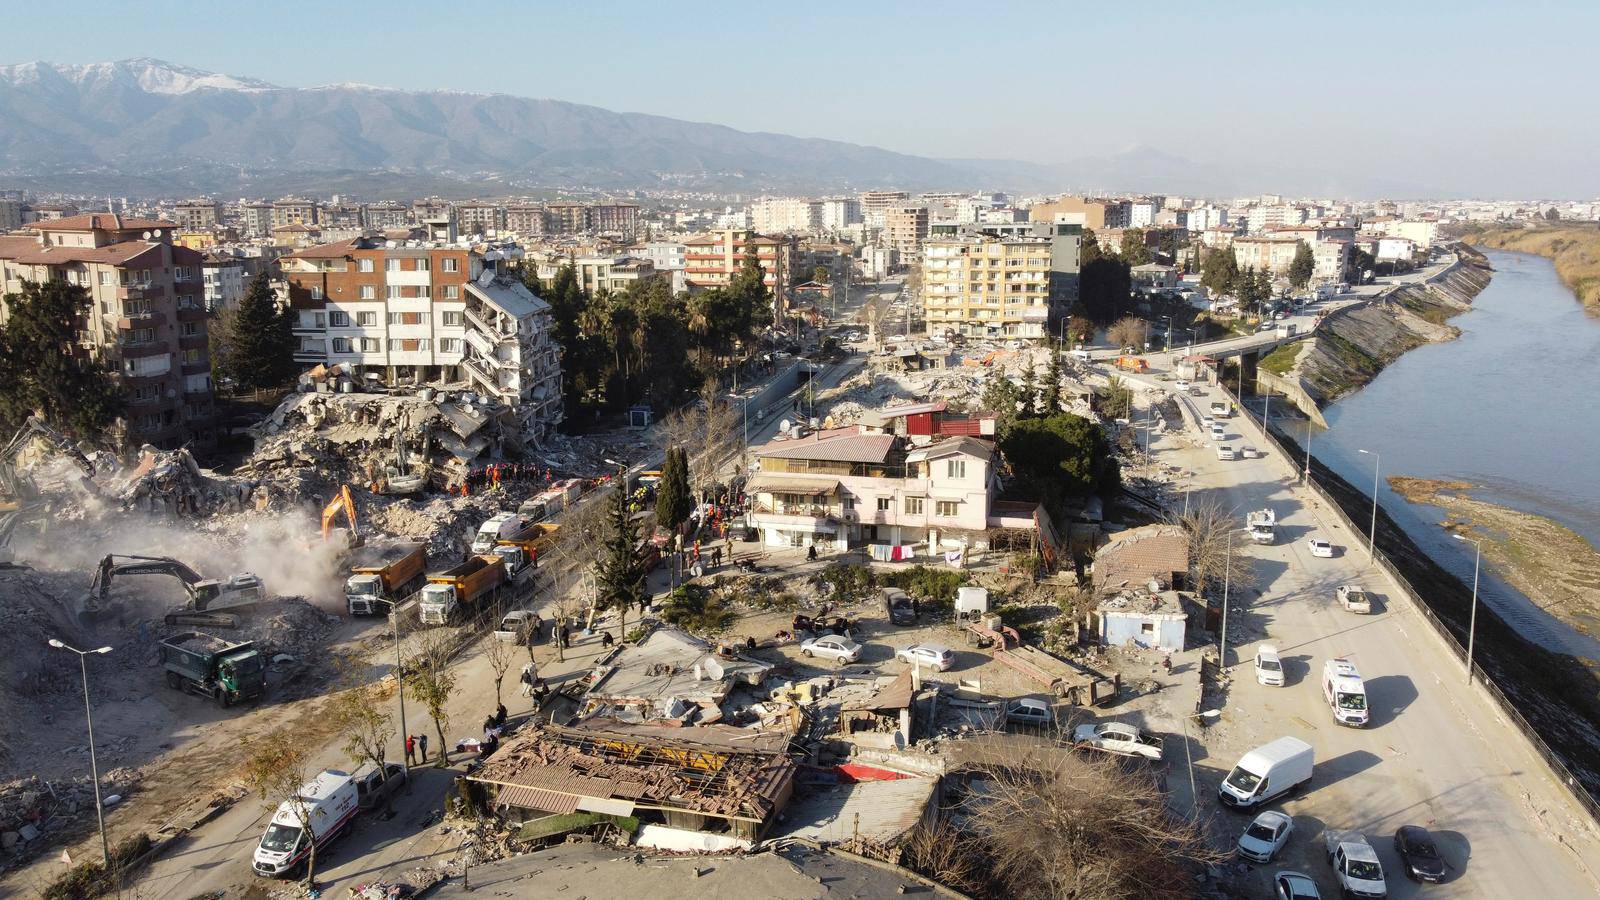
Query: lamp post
x,y
94,764
1308,449
1169,333
399,677
1472,620
1188,755
1372,534
1227,572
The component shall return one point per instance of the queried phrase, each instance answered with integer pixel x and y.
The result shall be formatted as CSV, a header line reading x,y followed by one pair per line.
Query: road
x,y
1436,753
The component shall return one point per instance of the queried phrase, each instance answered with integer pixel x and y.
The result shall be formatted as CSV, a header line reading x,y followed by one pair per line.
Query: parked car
x,y
1181,384
1249,452
1269,668
1264,837
1418,855
1208,422
1224,452
1294,886
1028,711
1115,737
1353,598
832,646
1217,432
933,655
1355,864
1320,548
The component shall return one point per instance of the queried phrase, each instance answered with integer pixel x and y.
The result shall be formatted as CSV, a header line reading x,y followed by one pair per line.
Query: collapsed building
x,y
670,676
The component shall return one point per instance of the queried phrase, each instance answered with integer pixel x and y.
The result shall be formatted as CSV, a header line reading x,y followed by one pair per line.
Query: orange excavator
x,y
342,504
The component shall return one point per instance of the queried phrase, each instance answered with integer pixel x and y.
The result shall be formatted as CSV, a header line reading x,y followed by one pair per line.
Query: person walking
x,y
422,747
411,750
527,679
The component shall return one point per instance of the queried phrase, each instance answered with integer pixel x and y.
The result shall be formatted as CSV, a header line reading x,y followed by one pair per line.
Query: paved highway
x,y
1436,753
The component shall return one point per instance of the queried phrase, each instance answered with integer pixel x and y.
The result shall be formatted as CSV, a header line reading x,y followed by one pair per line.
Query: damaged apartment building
x,y
907,476
410,313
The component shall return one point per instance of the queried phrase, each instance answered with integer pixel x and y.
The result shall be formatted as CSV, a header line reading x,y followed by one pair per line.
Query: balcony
x,y
142,290
195,313
149,319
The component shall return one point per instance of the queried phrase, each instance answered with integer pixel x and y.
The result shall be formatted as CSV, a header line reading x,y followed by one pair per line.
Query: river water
x,y
1512,406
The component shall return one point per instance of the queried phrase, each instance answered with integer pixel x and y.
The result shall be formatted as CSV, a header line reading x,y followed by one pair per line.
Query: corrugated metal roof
x,y
968,445
533,798
773,484
864,448
883,812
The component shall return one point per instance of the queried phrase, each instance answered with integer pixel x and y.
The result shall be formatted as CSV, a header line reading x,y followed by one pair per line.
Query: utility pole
x,y
1227,570
1472,621
94,763
399,677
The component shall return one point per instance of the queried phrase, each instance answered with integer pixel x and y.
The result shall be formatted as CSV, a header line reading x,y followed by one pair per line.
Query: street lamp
x,y
1194,793
94,764
1169,333
1308,449
1472,620
1227,572
399,675
1372,535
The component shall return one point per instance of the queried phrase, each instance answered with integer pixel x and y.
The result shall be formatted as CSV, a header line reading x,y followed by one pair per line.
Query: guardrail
x,y
1484,680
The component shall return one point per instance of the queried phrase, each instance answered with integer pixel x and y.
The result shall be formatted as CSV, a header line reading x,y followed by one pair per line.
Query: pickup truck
x,y
1355,864
1353,598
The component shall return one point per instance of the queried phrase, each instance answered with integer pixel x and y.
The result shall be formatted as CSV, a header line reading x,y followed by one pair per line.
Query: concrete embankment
x,y
1355,343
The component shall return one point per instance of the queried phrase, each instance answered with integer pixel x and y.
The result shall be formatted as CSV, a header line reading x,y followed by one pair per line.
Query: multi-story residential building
x,y
566,218
48,212
10,213
425,311
341,217
526,220
224,279
715,259
294,211
1331,260
146,318
257,220
196,215
875,204
846,487
480,218
1095,214
669,259
786,215
904,228
878,262
384,216
1142,213
621,219
839,213
611,273
991,285
1262,219
1258,252
1204,217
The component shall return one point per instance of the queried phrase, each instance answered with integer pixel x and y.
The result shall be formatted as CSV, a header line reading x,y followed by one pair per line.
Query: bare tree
x,y
1128,331
276,769
528,637
705,430
366,728
433,682
947,855
1056,824
1217,542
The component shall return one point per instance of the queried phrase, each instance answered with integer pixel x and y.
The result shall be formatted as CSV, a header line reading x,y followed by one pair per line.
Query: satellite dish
x,y
146,235
785,426
157,232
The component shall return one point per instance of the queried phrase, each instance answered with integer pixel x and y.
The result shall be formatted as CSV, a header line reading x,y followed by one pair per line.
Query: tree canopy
x,y
1134,250
1218,271
259,344
1303,265
45,370
1104,288
673,499
619,575
1060,456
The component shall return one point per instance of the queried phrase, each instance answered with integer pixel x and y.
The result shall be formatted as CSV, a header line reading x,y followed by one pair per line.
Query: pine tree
x,y
619,577
44,370
1089,249
1050,396
673,503
1030,392
261,341
1304,264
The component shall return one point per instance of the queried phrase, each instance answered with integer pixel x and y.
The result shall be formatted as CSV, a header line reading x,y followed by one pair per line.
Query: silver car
x,y
832,646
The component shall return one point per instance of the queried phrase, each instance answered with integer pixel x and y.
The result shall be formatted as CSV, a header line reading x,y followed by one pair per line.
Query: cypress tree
x,y
619,577
673,503
261,340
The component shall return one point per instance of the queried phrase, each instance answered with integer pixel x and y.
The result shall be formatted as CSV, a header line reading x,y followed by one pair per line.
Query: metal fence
x,y
1558,768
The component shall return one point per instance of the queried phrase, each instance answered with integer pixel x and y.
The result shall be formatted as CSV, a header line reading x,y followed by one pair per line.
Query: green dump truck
x,y
212,667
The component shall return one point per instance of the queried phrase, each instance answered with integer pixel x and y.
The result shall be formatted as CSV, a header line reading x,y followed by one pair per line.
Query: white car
x,y
1181,384
1208,422
1115,737
832,646
1294,886
1028,711
932,655
1320,548
1265,836
1353,598
1249,452
1218,432
1269,668
1224,452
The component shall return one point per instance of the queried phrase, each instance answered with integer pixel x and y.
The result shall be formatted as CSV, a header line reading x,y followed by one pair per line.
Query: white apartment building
x,y
786,215
839,213
1202,218
1262,219
1331,259
613,274
670,258
224,282
1142,213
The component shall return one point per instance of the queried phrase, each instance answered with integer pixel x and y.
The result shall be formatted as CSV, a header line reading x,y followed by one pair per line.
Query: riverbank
x,y
1545,561
1573,247
1556,693
1355,344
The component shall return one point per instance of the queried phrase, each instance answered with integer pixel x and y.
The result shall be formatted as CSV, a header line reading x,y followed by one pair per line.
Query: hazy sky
x,y
1470,98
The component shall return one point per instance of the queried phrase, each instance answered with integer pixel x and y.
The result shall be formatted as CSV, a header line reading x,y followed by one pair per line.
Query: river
x,y
1510,406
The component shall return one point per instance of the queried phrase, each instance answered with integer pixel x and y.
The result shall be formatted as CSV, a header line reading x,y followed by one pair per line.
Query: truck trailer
x,y
212,667
390,573
461,590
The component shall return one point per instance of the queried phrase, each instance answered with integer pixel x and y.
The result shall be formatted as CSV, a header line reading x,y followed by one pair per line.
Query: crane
x,y
209,599
19,495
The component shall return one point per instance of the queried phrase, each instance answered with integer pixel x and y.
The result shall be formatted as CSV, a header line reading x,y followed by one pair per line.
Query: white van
x,y
1266,772
1346,695
331,800
498,526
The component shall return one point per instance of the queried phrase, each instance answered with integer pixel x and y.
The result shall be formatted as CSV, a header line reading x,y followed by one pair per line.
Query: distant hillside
x,y
149,123
1574,247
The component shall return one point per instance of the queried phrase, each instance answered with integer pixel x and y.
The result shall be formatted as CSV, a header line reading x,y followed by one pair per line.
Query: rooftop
x,y
106,221
671,668
836,445
883,812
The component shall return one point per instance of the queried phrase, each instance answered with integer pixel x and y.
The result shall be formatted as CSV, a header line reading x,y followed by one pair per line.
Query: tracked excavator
x,y
20,499
211,602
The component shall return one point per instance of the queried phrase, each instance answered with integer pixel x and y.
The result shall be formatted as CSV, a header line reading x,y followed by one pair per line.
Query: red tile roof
x,y
28,252
108,221
335,250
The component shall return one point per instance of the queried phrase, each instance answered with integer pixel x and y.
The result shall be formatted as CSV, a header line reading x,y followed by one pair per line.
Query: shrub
x,y
91,879
848,582
692,607
934,588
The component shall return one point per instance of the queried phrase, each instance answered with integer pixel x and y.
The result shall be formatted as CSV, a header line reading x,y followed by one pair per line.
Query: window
x,y
341,345
316,292
451,264
424,292
883,504
369,345
913,506
105,278
849,502
955,468
191,357
189,329
146,393
338,319
424,266
408,318
391,265
452,319
449,345
366,265
367,319
452,292
182,273
369,292
947,508
141,335
392,292
320,319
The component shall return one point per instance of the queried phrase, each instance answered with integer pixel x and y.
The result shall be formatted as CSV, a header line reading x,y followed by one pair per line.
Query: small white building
x,y
1143,619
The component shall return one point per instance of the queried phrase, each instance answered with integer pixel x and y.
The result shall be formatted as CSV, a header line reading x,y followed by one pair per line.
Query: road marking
x,y
1304,722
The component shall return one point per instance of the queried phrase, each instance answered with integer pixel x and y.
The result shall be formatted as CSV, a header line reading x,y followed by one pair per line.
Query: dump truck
x,y
461,590
390,572
1132,364
201,664
520,551
1262,523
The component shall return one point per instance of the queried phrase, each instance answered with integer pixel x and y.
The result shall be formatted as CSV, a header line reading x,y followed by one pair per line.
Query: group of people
x,y
416,749
493,475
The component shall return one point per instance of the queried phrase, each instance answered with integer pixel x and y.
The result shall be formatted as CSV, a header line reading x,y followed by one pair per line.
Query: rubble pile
x,y
447,524
286,625
32,808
